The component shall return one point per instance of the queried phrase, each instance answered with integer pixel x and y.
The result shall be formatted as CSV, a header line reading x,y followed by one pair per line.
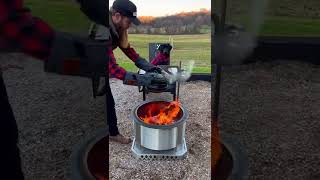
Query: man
x,y
122,14
21,32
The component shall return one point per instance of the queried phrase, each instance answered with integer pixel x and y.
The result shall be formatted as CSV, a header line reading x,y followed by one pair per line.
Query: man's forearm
x,y
115,71
130,53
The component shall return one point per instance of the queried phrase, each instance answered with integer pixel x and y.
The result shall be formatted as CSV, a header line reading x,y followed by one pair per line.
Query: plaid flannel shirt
x,y
20,31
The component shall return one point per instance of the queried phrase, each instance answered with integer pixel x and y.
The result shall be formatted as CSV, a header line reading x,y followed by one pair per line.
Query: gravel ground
x,y
53,113
273,109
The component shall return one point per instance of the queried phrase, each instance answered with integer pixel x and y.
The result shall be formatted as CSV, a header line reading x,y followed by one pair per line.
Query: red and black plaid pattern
x,y
20,31
115,71
131,53
160,59
8,6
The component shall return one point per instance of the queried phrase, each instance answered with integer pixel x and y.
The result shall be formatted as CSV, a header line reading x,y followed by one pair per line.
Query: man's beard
x,y
118,27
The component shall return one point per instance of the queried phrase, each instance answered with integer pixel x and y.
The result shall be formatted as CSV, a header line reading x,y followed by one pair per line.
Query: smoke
x,y
181,76
236,45
233,48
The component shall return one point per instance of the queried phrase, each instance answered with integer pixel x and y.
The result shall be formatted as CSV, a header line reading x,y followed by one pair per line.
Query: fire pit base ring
x,y
233,163
88,159
139,152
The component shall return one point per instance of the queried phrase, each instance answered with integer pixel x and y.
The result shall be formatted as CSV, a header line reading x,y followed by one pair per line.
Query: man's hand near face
x,y
124,43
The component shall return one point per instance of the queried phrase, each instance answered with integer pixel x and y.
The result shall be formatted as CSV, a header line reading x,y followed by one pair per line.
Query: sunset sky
x,y
167,7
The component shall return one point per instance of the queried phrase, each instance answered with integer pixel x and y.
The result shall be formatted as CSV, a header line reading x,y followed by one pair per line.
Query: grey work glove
x,y
146,66
146,79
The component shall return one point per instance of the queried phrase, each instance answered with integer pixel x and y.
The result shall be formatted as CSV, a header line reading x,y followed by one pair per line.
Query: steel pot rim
x,y
137,120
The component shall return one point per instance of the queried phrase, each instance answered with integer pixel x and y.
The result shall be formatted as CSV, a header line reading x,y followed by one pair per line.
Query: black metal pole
x,y
217,92
218,73
178,89
223,15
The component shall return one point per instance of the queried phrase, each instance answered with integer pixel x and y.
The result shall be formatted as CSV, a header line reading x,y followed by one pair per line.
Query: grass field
x,y
283,25
292,20
186,48
61,14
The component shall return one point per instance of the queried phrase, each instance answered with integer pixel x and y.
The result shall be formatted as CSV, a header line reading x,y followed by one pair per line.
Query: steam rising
x,y
236,45
182,76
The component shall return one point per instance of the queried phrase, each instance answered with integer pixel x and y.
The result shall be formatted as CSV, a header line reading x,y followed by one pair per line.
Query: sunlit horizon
x,y
168,7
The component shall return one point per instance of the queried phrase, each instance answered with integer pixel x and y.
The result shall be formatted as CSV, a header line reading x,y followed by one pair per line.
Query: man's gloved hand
x,y
165,49
146,66
147,79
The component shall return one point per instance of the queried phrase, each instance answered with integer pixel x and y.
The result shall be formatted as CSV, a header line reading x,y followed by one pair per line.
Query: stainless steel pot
x,y
158,137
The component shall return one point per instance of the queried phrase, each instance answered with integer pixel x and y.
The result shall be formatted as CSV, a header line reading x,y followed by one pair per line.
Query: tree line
x,y
181,23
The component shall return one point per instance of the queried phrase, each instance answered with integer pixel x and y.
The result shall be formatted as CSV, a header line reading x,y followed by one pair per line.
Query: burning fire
x,y
164,115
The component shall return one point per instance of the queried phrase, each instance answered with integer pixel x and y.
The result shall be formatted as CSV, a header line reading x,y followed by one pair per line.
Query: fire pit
x,y
232,162
159,130
89,159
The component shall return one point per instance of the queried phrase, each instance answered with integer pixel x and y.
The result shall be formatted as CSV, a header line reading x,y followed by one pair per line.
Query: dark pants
x,y
111,113
10,165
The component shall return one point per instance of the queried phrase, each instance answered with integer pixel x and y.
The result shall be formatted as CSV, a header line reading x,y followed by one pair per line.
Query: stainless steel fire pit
x,y
159,141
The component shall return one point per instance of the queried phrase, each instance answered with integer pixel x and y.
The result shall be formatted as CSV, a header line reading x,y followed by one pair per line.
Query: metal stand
x,y
172,88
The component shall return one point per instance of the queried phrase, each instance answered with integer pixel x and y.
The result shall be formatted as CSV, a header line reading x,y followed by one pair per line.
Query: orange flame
x,y
162,116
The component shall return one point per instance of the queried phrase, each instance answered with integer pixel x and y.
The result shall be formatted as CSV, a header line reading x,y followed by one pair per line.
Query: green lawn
x,y
186,48
291,26
283,26
61,14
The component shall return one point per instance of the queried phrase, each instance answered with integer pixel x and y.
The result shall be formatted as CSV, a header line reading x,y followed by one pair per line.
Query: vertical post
x,y
217,92
219,20
178,89
218,73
